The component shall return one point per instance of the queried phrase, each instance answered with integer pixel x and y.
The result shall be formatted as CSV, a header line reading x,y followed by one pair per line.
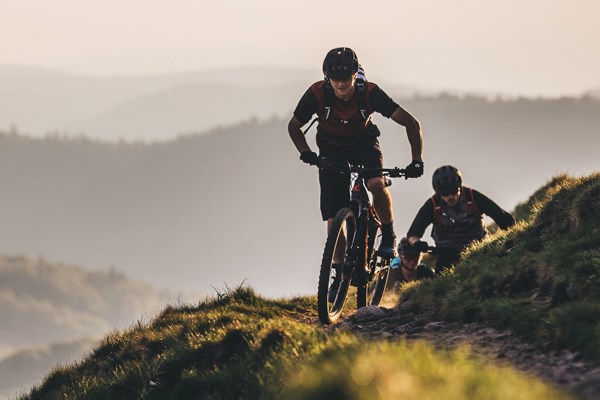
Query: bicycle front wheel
x,y
334,276
379,271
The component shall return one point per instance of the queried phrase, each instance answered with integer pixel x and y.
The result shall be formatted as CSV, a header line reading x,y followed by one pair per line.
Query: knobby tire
x,y
371,293
329,312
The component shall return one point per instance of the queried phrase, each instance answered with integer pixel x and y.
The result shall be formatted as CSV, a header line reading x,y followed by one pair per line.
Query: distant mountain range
x,y
235,203
29,366
43,302
53,312
149,108
593,93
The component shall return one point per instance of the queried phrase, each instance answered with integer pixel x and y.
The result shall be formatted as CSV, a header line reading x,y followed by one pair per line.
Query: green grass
x,y
234,338
546,287
401,371
242,346
239,345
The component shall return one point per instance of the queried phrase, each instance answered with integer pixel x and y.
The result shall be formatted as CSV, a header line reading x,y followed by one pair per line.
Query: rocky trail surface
x,y
564,369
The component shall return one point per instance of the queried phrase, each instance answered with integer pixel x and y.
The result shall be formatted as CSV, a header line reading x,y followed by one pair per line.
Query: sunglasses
x,y
450,193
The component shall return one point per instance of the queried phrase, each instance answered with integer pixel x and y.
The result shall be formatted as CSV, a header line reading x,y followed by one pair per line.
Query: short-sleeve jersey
x,y
345,124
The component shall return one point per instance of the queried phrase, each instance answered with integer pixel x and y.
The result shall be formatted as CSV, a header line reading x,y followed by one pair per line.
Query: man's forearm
x,y
413,131
297,136
415,138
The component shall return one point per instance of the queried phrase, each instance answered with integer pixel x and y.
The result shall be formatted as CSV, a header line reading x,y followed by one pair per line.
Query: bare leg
x,y
382,199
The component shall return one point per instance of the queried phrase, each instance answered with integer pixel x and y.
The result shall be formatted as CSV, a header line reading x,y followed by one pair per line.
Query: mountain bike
x,y
350,256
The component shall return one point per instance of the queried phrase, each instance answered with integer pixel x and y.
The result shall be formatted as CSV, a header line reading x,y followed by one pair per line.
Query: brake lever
x,y
396,173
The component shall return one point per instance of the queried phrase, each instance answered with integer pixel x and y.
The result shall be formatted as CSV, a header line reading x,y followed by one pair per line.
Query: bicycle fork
x,y
357,268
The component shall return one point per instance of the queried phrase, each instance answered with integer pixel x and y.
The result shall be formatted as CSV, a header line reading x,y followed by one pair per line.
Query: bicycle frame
x,y
359,226
360,252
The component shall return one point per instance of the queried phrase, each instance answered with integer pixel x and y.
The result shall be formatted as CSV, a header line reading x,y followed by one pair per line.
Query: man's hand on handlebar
x,y
421,246
414,169
309,157
345,167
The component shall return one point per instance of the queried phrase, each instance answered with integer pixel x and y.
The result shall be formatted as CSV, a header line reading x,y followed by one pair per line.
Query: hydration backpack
x,y
438,210
361,94
360,86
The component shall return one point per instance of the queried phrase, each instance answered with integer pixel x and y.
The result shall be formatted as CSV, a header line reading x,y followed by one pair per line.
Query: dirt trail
x,y
561,368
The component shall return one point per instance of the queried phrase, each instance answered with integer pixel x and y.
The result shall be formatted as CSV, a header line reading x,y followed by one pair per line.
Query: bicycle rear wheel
x,y
336,250
379,271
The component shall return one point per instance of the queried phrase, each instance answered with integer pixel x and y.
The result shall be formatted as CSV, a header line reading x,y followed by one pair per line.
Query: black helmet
x,y
340,63
405,249
446,180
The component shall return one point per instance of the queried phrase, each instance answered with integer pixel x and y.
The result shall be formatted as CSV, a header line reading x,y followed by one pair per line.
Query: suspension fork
x,y
360,243
374,222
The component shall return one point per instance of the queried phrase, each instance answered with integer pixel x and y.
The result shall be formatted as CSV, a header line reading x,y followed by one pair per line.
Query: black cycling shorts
x,y
335,187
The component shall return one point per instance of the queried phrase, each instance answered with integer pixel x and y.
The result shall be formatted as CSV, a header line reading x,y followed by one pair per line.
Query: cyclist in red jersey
x,y
344,102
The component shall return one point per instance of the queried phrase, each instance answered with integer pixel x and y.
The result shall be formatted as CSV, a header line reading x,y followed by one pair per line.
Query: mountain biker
x,y
456,214
407,266
344,102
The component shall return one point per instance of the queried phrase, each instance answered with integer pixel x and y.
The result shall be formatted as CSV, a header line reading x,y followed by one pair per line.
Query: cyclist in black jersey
x,y
456,214
344,102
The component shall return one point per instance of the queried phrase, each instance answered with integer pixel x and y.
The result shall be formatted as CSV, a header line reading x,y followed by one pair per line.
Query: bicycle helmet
x,y
340,63
407,250
446,180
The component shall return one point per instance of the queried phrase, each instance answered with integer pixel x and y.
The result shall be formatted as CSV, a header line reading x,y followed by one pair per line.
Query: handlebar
x,y
346,167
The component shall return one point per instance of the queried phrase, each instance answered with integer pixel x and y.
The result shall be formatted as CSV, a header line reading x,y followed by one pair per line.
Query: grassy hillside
x,y
242,346
541,279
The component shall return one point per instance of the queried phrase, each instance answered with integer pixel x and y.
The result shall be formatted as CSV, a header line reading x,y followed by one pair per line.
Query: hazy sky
x,y
547,47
